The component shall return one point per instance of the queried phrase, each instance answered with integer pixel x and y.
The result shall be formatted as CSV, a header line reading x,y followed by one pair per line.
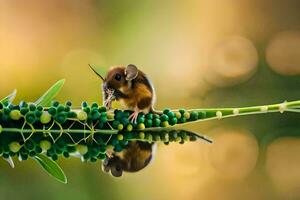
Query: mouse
x,y
134,90
133,158
131,87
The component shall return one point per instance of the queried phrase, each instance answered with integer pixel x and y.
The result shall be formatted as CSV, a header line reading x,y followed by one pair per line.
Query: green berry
x,y
165,124
24,156
29,145
6,111
125,121
94,105
120,137
102,109
178,115
67,109
149,137
52,111
30,118
178,139
141,135
71,149
95,114
155,116
164,117
129,127
148,123
68,103
60,108
141,126
32,107
61,118
141,119
182,111
103,118
14,147
118,114
157,138
173,121
149,116
38,149
54,157
156,122
22,104
115,124
102,149
166,111
194,115
120,127
66,154
54,103
23,111
109,147
193,138
187,115
84,104
15,115
39,108
182,120
165,137
38,113
71,114
110,116
102,156
171,114
82,116
45,145
82,149
45,118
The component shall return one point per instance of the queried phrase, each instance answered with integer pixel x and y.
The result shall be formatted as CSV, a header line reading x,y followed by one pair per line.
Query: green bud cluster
x,y
28,129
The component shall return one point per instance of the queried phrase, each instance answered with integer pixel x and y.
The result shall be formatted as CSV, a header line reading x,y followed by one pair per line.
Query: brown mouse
x,y
131,87
136,156
135,91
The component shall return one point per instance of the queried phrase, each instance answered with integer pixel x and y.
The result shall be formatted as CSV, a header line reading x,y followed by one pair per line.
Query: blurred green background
x,y
198,53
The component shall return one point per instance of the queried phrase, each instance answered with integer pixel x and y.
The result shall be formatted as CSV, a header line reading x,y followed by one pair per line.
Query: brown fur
x,y
139,91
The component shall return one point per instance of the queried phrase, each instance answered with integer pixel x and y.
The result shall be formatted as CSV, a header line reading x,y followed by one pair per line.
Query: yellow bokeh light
x,y
283,53
234,152
283,164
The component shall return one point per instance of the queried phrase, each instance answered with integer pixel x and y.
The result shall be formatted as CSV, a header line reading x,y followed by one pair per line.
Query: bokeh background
x,y
198,53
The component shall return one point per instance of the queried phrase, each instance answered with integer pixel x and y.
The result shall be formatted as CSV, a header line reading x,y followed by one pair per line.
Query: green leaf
x,y
10,97
51,167
50,94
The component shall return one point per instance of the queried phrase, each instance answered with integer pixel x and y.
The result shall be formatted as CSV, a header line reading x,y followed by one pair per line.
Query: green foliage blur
x,y
198,53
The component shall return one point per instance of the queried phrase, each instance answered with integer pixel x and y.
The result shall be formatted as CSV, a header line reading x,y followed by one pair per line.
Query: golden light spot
x,y
233,154
283,53
283,164
232,61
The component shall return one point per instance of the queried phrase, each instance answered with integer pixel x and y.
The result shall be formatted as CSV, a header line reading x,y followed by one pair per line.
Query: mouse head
x,y
114,164
116,78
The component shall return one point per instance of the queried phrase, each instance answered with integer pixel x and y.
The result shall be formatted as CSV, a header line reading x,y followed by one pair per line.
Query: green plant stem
x,y
211,113
60,130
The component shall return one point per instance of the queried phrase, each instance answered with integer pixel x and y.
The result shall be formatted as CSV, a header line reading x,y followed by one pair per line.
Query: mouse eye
x,y
118,77
116,171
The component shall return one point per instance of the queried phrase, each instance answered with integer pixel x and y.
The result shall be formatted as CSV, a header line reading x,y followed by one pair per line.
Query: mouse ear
x,y
131,72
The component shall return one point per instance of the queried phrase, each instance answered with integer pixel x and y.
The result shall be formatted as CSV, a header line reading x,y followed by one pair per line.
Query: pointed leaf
x,y
51,167
9,98
50,94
